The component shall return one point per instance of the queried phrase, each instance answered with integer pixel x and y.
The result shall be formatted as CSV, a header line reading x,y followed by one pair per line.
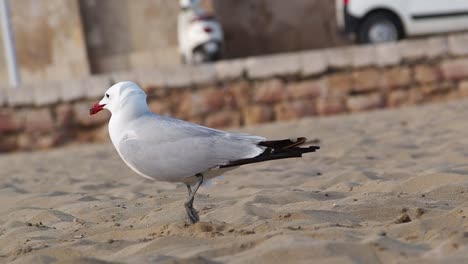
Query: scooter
x,y
200,34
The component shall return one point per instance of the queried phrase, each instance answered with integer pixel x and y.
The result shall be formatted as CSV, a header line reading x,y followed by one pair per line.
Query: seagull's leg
x,y
189,189
191,212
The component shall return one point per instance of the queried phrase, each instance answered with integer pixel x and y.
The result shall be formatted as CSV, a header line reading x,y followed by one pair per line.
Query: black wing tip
x,y
314,148
308,149
301,139
284,143
270,154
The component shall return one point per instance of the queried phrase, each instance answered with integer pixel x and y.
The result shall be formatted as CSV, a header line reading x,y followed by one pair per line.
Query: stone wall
x,y
246,91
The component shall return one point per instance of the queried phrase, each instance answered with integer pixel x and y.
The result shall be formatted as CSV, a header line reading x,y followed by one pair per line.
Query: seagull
x,y
172,150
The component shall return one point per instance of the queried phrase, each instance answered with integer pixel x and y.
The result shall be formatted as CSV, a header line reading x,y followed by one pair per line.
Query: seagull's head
x,y
117,97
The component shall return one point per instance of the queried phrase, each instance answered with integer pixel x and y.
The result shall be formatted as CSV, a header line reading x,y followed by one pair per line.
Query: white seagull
x,y
167,149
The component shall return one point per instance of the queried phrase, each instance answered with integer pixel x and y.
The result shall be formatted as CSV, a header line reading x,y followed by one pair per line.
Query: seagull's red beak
x,y
96,108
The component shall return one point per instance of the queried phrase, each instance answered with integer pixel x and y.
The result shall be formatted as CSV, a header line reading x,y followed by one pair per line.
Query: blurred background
x,y
238,62
57,39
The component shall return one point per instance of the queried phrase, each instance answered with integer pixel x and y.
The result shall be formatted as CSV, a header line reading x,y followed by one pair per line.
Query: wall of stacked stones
x,y
246,91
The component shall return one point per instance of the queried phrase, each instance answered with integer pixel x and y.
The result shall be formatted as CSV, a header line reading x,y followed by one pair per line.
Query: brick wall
x,y
246,91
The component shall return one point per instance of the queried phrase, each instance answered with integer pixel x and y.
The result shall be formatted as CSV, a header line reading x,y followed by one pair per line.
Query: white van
x,y
376,21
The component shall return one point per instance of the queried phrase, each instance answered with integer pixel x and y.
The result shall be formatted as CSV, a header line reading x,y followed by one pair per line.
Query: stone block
x,y
452,95
182,102
427,89
45,142
158,93
96,85
364,56
426,74
8,143
21,96
338,58
455,69
10,121
270,91
71,90
101,133
96,134
366,80
387,54
256,114
429,48
38,121
313,63
463,89
82,117
160,107
458,44
3,95
25,141
151,79
273,65
230,69
412,50
177,77
239,94
191,104
294,110
84,136
64,116
338,84
364,102
223,119
415,96
212,100
397,98
46,93
330,106
395,77
436,88
203,74
309,89
437,47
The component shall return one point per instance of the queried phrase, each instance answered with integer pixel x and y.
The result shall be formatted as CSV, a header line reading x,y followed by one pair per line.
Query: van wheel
x,y
380,27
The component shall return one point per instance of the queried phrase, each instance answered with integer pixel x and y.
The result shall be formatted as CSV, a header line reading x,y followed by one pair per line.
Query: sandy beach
x,y
386,187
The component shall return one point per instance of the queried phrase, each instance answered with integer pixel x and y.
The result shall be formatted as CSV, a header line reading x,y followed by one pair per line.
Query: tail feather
x,y
276,149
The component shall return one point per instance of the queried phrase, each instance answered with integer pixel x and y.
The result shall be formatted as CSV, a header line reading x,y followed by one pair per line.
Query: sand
x,y
386,187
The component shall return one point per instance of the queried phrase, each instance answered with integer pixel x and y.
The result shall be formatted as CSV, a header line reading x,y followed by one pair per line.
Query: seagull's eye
x,y
107,95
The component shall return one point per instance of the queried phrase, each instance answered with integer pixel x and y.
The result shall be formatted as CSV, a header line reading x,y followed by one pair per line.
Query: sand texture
x,y
386,187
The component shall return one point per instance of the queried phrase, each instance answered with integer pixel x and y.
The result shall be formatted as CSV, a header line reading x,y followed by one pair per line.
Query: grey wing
x,y
183,150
